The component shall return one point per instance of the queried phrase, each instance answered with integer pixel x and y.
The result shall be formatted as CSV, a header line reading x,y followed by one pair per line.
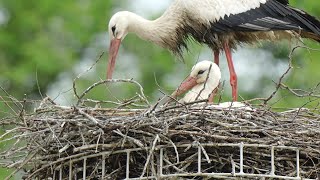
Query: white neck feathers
x,y
161,31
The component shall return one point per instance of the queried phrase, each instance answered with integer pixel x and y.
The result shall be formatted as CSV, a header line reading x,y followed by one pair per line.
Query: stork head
x,y
118,29
203,72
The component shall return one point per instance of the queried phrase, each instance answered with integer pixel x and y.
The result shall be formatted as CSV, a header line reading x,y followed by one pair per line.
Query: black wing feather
x,y
271,16
285,2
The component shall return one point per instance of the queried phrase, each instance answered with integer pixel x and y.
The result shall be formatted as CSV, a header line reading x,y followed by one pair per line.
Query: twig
x,y
94,120
81,74
157,139
21,165
205,84
307,94
112,81
135,141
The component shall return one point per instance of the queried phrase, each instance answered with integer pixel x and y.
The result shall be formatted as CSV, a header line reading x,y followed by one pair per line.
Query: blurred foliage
x,y
45,38
40,40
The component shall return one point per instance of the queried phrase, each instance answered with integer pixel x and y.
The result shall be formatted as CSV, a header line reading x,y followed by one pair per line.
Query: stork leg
x,y
216,56
233,75
212,95
216,60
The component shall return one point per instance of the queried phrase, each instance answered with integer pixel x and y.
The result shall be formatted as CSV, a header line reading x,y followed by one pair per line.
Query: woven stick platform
x,y
60,142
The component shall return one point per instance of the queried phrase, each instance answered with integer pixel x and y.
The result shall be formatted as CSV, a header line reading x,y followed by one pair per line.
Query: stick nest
x,y
54,137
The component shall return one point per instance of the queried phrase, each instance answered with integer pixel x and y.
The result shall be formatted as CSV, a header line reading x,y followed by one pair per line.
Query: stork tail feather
x,y
312,24
310,35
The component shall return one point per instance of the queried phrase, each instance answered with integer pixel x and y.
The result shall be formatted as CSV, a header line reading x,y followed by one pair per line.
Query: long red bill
x,y
187,84
113,52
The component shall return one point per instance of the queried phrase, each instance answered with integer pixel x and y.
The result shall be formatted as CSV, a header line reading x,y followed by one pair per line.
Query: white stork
x,y
221,24
203,80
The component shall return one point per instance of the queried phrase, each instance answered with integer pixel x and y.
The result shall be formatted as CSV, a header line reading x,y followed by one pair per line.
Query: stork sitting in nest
x,y
202,84
203,80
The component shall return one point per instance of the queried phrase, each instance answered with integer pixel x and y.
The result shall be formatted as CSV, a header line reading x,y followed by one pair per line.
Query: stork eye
x,y
201,72
113,29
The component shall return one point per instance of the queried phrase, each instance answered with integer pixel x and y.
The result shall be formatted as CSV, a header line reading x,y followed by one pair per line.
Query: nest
x,y
59,142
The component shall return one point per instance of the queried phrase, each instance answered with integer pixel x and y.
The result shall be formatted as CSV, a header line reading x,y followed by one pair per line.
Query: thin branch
x,y
113,81
81,74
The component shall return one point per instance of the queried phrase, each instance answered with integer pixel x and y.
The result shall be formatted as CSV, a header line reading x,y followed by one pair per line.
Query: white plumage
x,y
213,10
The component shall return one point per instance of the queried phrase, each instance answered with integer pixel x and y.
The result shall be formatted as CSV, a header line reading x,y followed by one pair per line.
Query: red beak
x,y
187,84
113,52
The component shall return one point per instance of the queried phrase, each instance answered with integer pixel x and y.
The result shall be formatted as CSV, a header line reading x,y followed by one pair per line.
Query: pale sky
x,y
4,17
149,7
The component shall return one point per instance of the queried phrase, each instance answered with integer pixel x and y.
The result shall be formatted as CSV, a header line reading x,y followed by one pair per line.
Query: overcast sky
x,y
149,7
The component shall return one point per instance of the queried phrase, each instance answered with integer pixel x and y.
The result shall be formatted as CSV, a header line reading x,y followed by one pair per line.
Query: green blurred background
x,y
45,44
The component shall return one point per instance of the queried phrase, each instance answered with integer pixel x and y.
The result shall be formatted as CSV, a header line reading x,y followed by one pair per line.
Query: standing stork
x,y
221,24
